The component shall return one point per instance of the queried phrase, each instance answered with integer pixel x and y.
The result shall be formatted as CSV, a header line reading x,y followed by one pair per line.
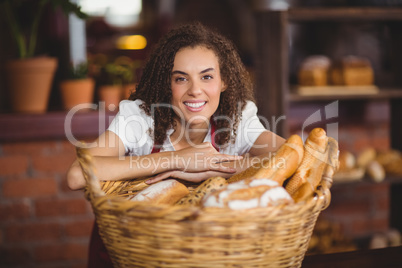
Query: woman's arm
x,y
265,145
267,142
111,164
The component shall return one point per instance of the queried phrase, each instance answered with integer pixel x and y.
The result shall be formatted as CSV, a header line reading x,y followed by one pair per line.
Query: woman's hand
x,y
204,157
187,176
199,163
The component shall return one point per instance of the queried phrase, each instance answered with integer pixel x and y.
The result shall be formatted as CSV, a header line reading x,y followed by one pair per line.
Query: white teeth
x,y
195,104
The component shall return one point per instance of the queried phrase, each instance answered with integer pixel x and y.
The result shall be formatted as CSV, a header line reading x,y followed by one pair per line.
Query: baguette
x,y
314,161
307,189
163,192
249,172
207,187
284,163
278,167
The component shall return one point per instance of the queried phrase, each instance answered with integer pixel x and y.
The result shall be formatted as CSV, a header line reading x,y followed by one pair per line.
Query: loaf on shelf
x,y
352,71
313,71
375,165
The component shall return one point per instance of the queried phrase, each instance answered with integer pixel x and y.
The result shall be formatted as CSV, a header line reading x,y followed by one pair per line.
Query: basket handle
x,y
86,162
324,193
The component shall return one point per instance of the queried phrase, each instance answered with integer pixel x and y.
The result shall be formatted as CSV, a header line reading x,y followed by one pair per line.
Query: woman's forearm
x,y
129,167
111,168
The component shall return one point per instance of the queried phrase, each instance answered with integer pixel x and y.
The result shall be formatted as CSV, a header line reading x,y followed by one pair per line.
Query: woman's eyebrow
x,y
207,70
179,72
184,73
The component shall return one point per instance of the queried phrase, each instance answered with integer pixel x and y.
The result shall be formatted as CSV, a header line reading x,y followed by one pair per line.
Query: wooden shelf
x,y
339,14
383,94
366,180
52,125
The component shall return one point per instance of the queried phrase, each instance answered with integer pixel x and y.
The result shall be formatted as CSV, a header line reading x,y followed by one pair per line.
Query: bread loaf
x,y
352,71
313,163
207,187
313,71
163,192
247,194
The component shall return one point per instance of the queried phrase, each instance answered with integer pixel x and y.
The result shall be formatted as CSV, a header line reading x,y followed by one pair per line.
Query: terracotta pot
x,y
74,92
127,90
111,95
29,83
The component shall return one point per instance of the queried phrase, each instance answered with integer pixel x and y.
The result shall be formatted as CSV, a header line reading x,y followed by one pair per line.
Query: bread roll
x,y
207,187
354,174
248,194
347,160
163,192
388,157
365,157
375,171
313,163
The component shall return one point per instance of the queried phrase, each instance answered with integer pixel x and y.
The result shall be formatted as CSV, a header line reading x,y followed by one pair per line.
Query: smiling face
x,y
196,84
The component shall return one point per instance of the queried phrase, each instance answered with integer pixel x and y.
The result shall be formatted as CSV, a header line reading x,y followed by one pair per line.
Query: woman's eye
x,y
207,77
180,79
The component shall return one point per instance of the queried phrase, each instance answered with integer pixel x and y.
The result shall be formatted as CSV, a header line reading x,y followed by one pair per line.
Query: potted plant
x,y
29,77
128,75
111,80
78,87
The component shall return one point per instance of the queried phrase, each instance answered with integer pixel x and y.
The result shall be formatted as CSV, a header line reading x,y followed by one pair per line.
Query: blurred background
x,y
44,224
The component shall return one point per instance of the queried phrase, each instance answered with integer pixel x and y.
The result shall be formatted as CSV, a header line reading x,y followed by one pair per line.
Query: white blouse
x,y
132,126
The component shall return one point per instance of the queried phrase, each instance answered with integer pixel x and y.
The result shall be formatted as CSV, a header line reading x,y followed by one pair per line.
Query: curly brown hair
x,y
154,86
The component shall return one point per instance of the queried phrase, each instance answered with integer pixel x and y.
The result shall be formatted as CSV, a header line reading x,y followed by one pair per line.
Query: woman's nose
x,y
195,89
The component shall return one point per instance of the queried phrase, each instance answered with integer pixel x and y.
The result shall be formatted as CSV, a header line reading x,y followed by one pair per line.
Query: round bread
x,y
347,160
366,156
375,171
247,194
163,192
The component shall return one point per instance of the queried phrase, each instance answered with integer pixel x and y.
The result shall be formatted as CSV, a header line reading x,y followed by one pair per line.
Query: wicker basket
x,y
142,235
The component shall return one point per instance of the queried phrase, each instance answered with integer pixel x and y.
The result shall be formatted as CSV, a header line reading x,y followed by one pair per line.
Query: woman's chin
x,y
198,122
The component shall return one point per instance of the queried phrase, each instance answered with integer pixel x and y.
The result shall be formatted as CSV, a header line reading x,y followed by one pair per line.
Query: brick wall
x,y
361,208
43,223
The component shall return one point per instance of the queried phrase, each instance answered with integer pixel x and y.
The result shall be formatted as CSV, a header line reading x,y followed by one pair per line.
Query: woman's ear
x,y
224,86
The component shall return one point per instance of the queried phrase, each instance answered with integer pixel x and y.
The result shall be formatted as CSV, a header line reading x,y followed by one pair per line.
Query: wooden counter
x,y
376,258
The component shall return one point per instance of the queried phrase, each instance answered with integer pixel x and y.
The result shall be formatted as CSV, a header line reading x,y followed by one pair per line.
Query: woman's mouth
x,y
195,106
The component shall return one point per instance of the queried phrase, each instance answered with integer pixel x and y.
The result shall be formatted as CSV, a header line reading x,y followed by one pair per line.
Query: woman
x,y
191,117
194,77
